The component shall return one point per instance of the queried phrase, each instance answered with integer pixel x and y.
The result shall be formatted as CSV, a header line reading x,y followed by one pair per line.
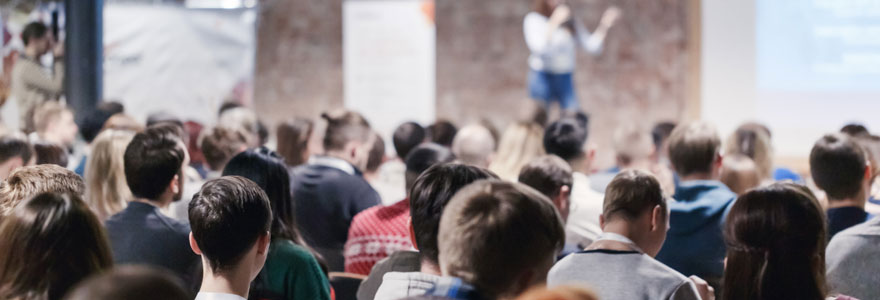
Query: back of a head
x,y
227,217
474,145
12,146
630,194
855,130
344,126
50,153
565,138
837,164
152,159
739,173
49,244
776,245
563,292
293,140
407,137
47,113
131,283
660,133
33,30
693,148
752,141
632,144
493,232
243,119
520,143
27,182
441,132
377,154
265,168
95,120
106,186
219,144
546,174
429,195
121,121
423,157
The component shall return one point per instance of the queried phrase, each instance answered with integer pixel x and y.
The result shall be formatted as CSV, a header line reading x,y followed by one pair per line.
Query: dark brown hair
x,y
293,140
50,153
220,144
547,174
775,239
377,154
693,148
49,244
837,164
344,126
631,193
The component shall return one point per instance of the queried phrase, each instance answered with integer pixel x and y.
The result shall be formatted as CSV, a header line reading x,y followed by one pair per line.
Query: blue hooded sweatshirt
x,y
694,243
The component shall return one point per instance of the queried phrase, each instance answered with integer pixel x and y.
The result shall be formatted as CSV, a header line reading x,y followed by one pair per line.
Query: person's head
x,y
47,245
739,173
635,198
122,121
775,239
348,137
230,219
660,136
219,144
130,282
37,38
50,153
854,130
474,145
441,132
377,154
95,120
27,182
567,139
106,188
245,120
429,195
501,237
838,165
551,176
423,157
407,137
545,7
562,292
752,141
694,150
154,161
54,123
632,145
15,152
520,143
293,140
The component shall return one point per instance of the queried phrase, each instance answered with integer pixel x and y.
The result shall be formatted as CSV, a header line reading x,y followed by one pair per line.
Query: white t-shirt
x,y
582,226
218,296
556,54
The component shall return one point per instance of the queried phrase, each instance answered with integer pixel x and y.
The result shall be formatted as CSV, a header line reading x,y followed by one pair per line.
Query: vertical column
x,y
83,54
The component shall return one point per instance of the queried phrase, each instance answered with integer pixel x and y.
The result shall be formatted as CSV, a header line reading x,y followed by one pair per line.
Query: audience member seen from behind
x,y
551,176
231,218
776,237
28,182
520,143
50,153
739,173
496,240
391,181
53,123
839,167
291,270
31,85
751,141
474,145
852,263
567,138
49,244
130,283
380,231
620,264
330,190
633,149
294,136
245,120
219,144
441,132
107,191
660,136
429,195
141,234
694,244
15,152
871,143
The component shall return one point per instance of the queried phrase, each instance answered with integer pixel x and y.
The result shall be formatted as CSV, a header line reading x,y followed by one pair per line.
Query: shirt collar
x,y
454,288
218,296
333,162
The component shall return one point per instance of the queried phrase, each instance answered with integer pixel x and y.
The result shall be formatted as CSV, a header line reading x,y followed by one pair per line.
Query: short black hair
x,y
93,122
33,30
441,132
50,153
227,217
546,174
661,132
151,160
837,164
430,194
406,137
12,146
565,138
377,153
855,130
423,157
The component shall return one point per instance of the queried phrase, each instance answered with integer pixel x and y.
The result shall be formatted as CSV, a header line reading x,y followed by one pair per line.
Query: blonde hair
x,y
107,189
520,143
47,113
27,182
632,144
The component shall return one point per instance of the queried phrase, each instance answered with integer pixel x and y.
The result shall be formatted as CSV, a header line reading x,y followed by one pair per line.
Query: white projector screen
x,y
804,68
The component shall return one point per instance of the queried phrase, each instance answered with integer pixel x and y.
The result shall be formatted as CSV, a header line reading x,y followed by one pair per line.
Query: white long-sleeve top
x,y
557,53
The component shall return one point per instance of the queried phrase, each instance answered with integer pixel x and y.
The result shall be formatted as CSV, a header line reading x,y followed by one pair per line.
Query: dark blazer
x,y
326,200
141,234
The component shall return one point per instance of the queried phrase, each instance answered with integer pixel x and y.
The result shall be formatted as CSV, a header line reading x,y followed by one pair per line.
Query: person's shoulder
x,y
663,271
286,252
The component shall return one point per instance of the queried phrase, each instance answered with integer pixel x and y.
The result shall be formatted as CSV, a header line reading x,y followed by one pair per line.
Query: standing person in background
x,y
553,33
106,189
330,190
293,140
31,83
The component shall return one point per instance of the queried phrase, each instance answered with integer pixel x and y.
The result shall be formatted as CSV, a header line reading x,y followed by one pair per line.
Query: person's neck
x,y
429,268
618,227
698,176
160,203
848,202
31,52
579,165
236,281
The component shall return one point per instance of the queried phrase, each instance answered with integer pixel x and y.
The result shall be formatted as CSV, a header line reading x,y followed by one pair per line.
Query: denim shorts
x,y
548,87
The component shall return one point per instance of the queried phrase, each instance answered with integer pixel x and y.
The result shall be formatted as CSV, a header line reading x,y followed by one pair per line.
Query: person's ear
x,y
562,201
868,173
602,221
193,245
412,235
263,243
719,161
175,184
657,218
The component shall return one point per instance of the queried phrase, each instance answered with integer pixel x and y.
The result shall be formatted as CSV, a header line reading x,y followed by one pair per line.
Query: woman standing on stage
x,y
553,34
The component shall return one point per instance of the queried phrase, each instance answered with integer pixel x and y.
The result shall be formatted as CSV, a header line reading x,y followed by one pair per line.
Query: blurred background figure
x,y
132,283
739,173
